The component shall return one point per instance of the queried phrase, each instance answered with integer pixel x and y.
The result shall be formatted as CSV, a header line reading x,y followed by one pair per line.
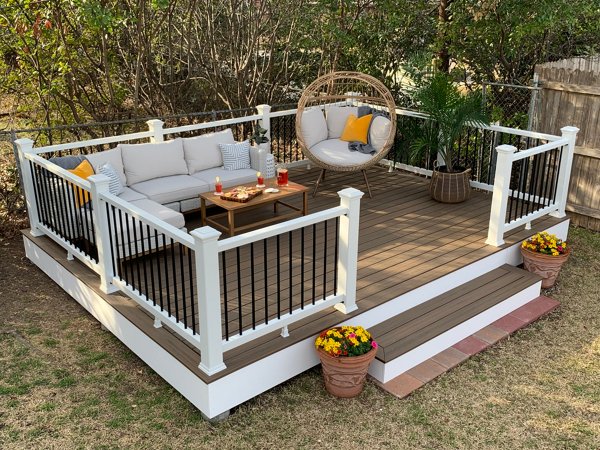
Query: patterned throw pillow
x,y
236,156
115,185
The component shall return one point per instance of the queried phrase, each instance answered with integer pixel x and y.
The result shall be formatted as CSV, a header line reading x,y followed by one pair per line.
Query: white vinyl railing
x,y
542,183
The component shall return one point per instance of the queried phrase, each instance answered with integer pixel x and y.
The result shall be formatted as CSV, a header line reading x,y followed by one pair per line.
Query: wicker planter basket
x,y
546,266
345,375
449,187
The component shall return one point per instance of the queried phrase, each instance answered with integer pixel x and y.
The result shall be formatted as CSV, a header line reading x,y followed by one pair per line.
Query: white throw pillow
x,y
379,132
112,156
314,126
336,119
202,152
147,161
236,156
115,185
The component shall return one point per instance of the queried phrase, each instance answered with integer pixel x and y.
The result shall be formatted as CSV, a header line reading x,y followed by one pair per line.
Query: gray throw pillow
x,y
115,185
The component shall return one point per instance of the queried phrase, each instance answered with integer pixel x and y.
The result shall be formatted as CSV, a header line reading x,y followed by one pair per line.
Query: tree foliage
x,y
66,61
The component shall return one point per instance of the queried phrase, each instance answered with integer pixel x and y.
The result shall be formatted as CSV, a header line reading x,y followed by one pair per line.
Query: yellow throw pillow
x,y
83,170
356,129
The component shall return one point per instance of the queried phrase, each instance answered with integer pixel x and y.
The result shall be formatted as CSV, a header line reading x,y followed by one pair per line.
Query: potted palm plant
x,y
449,110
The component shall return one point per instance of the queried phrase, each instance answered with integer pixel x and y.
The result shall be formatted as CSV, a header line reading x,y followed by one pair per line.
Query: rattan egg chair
x,y
341,89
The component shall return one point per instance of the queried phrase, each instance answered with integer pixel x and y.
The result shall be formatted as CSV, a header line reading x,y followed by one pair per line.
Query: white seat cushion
x,y
171,189
336,119
314,126
148,161
113,157
379,132
129,195
229,178
202,152
335,152
162,212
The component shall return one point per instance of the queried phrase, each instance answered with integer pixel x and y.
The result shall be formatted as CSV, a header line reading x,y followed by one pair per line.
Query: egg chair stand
x,y
322,178
334,92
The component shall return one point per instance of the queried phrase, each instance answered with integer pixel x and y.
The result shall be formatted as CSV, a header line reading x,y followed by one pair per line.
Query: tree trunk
x,y
443,62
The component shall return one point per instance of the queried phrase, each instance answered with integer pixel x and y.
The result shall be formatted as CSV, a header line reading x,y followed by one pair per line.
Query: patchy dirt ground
x,y
65,383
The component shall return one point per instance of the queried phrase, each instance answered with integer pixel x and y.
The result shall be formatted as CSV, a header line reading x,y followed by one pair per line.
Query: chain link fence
x,y
512,105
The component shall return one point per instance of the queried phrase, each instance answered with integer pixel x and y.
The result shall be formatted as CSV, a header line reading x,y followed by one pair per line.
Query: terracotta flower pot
x,y
345,375
449,187
546,266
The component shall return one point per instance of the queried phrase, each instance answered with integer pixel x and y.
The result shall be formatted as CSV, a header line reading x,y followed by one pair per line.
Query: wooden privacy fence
x,y
571,95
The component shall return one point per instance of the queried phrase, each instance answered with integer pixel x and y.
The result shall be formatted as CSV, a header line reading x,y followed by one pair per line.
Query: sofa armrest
x,y
258,159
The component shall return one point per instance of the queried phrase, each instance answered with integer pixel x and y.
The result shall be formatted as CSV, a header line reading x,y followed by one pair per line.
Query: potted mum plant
x,y
346,353
450,110
544,254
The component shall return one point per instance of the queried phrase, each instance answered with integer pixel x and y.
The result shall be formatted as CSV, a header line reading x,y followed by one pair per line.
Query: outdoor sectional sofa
x,y
166,178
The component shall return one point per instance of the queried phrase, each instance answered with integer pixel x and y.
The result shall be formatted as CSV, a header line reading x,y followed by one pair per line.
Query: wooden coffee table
x,y
234,208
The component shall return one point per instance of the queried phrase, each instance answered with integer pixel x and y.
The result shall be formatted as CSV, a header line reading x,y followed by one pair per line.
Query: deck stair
x,y
415,335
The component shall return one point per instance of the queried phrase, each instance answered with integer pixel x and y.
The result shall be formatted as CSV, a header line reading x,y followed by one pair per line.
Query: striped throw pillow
x,y
236,156
115,185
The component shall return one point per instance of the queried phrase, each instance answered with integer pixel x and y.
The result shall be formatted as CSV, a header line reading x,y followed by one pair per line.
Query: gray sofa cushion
x,y
113,157
202,152
68,162
229,178
144,162
171,189
335,152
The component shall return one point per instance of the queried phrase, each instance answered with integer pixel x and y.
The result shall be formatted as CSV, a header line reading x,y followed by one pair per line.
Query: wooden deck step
x,y
410,329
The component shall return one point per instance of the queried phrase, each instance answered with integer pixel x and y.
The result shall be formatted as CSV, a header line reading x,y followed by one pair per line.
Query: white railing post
x,y
348,249
209,299
156,126
500,195
564,174
99,185
265,122
26,146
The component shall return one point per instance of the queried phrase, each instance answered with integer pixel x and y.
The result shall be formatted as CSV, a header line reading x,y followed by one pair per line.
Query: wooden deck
x,y
406,241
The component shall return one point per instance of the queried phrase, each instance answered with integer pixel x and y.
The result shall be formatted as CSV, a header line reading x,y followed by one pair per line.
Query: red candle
x,y
218,186
260,179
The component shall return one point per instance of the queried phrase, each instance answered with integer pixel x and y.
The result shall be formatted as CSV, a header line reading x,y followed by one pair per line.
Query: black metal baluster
x,y
266,280
314,262
166,264
545,178
173,267
239,287
337,250
558,167
137,253
142,243
324,259
533,186
302,268
225,300
151,262
192,291
158,274
118,244
523,185
110,239
253,285
130,251
278,278
290,265
183,296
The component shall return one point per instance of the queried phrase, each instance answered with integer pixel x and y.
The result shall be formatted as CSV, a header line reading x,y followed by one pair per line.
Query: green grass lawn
x,y
65,383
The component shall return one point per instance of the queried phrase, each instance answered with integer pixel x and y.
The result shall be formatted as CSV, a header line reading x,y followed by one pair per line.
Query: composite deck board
x,y
408,330
406,240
